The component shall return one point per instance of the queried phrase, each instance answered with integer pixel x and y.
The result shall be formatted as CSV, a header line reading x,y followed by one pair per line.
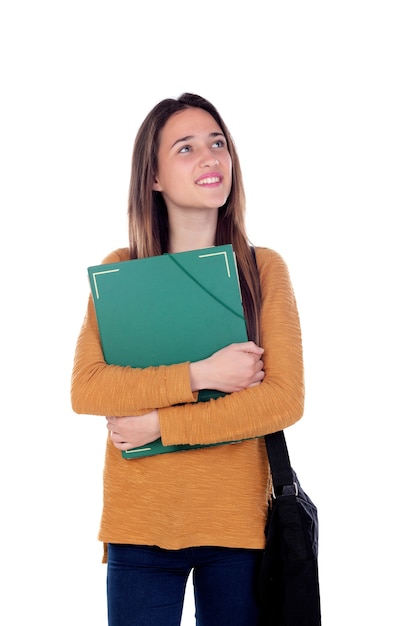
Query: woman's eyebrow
x,y
188,138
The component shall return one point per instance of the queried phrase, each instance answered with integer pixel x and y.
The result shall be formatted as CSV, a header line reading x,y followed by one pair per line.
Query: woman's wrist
x,y
198,379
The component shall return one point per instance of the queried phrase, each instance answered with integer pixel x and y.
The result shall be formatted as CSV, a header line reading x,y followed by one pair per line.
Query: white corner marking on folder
x,y
95,284
201,256
136,450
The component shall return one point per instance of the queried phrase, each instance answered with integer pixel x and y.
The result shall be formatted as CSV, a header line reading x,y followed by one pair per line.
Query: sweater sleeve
x,y
278,401
101,389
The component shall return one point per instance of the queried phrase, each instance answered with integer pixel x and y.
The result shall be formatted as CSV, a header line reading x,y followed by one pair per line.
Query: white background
x,y
319,98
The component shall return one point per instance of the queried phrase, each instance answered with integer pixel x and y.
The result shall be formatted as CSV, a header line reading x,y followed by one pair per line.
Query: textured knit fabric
x,y
210,496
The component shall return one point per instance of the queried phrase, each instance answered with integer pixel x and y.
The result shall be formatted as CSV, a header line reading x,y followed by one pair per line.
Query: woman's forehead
x,y
189,123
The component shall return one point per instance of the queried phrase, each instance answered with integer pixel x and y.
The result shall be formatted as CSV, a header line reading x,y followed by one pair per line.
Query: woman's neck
x,y
191,234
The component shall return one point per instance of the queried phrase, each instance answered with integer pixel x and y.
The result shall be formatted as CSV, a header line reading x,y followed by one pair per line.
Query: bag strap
x,y
282,474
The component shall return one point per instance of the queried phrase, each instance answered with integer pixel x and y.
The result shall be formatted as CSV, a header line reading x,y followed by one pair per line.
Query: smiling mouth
x,y
210,180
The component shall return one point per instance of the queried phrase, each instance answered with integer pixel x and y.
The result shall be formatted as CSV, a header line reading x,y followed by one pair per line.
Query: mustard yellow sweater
x,y
204,497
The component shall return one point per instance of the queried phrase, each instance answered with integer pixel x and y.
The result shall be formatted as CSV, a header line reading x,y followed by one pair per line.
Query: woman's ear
x,y
156,185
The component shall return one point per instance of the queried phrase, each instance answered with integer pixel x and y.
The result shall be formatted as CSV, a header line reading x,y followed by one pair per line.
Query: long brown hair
x,y
147,212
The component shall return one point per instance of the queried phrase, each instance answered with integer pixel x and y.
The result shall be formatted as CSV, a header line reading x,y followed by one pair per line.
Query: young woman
x,y
203,510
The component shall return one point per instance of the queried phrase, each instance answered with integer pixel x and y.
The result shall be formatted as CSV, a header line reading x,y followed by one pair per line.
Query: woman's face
x,y
194,164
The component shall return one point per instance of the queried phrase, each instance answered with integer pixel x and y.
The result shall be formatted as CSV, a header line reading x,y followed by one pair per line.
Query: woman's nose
x,y
209,160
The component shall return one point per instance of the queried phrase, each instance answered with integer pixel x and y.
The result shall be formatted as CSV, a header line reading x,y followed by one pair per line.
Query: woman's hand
x,y
232,368
134,430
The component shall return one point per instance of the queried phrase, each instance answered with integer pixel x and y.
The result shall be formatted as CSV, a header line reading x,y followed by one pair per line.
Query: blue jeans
x,y
146,585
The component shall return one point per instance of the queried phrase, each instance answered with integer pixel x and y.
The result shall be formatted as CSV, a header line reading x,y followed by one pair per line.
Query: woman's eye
x,y
185,149
219,143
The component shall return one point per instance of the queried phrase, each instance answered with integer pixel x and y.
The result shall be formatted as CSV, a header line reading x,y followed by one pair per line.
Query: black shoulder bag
x,y
288,577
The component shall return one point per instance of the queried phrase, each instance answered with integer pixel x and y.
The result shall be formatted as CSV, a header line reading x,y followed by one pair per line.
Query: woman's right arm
x,y
101,389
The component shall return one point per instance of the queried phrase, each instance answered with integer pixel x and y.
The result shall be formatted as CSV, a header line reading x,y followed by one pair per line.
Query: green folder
x,y
168,309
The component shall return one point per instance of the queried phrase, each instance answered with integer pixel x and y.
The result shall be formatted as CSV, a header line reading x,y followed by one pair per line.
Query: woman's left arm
x,y
278,401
